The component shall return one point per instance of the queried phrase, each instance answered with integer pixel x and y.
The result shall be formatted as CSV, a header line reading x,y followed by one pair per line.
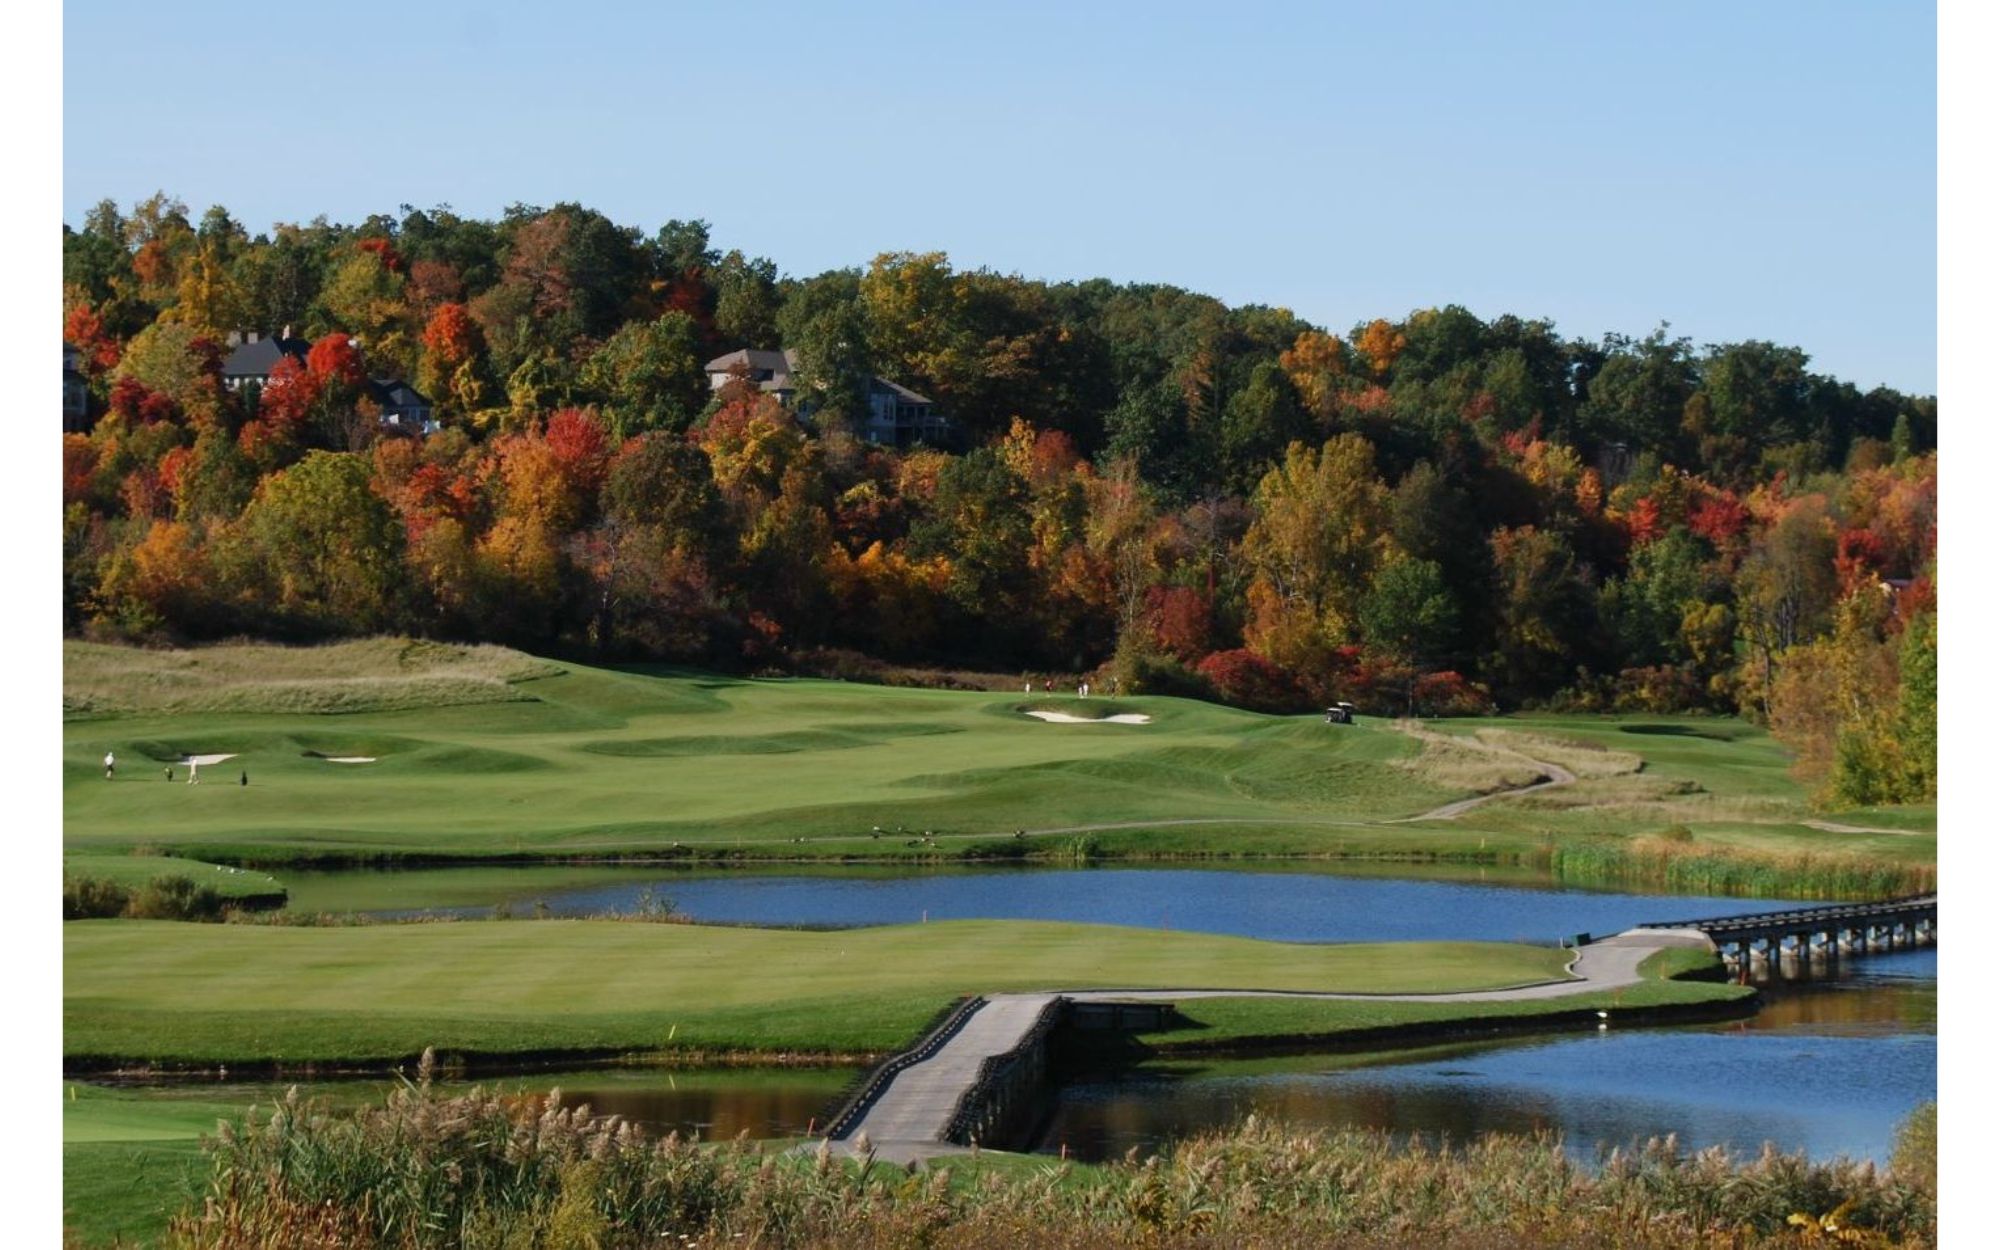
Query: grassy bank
x,y
133,871
235,994
1680,985
570,761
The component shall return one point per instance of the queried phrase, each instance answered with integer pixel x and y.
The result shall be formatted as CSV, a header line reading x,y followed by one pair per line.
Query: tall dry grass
x,y
370,674
1459,762
1687,867
1490,760
485,1171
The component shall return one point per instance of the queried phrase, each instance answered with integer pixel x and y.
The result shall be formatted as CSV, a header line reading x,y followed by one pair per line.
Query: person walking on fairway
x,y
194,770
110,765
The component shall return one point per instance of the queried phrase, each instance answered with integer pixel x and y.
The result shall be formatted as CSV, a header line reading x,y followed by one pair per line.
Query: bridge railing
x,y
1913,905
986,1098
857,1106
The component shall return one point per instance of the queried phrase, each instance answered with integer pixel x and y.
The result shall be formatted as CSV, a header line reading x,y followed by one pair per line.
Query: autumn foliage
x,y
1435,513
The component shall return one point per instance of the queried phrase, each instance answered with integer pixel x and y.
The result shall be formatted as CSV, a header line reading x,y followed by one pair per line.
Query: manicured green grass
x,y
596,762
244,993
131,1158
571,760
1221,1023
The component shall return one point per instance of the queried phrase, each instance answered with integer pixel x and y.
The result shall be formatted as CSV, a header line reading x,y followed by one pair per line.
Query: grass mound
x,y
375,674
827,738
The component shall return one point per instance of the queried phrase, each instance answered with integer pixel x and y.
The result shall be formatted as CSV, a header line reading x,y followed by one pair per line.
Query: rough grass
x,y
1486,760
375,674
240,993
1467,762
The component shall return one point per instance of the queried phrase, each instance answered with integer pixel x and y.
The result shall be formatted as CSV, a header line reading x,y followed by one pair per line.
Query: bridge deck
x,y
910,1117
1833,913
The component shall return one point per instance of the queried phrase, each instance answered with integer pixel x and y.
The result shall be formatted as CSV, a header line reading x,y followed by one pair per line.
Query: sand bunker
x,y
349,759
1121,718
206,759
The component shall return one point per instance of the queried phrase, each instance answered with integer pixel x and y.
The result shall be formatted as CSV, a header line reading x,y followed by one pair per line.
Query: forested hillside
x,y
1434,513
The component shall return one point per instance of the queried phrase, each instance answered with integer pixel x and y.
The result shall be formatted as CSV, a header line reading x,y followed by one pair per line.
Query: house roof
x,y
783,364
903,393
395,393
754,358
256,360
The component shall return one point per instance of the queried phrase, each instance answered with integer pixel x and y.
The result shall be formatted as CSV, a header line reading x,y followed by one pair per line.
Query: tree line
x,y
1435,514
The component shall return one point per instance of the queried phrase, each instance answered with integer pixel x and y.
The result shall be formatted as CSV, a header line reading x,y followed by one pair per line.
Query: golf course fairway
x,y
193,993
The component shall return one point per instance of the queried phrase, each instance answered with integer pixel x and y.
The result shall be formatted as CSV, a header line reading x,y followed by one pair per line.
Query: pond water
x,y
1298,906
1828,1067
714,1103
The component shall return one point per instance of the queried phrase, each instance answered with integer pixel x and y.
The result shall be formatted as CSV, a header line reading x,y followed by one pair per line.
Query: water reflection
x,y
716,1104
784,1103
1827,1067
1320,906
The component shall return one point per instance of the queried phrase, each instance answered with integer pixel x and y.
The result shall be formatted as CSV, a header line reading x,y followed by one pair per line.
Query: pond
x,y
714,1103
1385,904
1829,1068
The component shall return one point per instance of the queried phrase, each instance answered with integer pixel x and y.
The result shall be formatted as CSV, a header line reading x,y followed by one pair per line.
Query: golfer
x,y
110,765
194,770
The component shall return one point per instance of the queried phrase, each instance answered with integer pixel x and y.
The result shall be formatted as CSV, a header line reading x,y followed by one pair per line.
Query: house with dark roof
x,y
897,416
402,407
253,356
76,392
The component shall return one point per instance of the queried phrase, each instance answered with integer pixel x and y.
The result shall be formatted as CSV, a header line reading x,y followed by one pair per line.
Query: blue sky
x,y
1763,170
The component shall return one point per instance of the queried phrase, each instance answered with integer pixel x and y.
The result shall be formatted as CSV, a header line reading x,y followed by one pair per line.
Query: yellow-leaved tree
x,y
1319,535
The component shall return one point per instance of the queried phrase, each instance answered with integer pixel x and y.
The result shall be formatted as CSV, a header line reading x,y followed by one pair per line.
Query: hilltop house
x,y
403,408
253,356
897,416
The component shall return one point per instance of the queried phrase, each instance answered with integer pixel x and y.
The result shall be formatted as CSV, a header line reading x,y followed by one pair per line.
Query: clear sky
x,y
1761,170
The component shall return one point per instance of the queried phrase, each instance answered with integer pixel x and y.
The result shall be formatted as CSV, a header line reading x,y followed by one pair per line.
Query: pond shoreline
x,y
1689,869
129,1070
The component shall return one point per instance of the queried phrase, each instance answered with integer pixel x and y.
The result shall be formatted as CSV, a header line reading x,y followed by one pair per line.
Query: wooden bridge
x,y
1818,932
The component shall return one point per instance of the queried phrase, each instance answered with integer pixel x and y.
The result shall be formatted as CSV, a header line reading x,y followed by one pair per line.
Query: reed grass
x,y
1689,867
425,1172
